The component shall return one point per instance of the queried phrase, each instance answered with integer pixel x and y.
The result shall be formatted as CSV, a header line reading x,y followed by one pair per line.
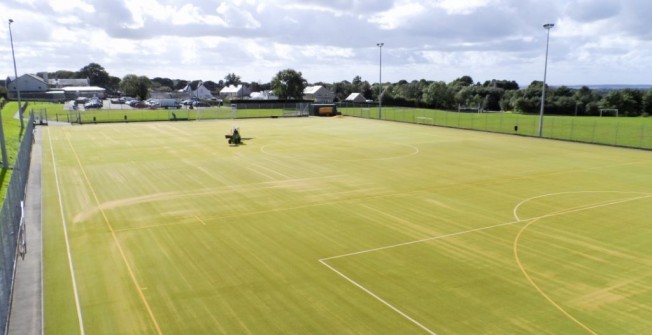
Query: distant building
x,y
73,92
319,94
263,95
196,89
61,83
36,88
355,97
27,84
233,91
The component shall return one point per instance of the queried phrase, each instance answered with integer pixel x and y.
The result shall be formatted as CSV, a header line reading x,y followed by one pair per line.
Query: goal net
x,y
609,112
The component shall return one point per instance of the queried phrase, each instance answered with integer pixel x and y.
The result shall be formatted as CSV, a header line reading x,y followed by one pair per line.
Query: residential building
x,y
355,97
319,94
27,83
233,91
196,89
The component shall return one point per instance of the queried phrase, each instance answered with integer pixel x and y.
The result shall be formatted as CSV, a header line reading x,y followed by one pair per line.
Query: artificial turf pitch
x,y
341,226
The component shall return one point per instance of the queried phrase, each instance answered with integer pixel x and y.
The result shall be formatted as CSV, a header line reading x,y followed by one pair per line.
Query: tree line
x,y
492,95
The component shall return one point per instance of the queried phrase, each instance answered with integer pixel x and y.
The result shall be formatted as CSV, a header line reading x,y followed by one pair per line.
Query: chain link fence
x,y
11,220
631,132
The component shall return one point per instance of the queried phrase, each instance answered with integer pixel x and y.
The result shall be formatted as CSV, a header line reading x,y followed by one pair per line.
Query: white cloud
x,y
398,15
333,40
67,6
189,14
462,7
236,17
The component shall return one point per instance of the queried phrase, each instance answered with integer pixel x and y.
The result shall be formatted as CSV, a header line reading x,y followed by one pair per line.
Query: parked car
x,y
138,104
169,103
93,104
189,102
199,104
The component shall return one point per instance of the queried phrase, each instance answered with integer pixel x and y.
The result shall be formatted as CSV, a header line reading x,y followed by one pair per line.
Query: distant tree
x,y
163,82
289,84
647,103
462,81
583,97
232,79
629,102
342,90
114,84
62,74
504,84
438,95
180,84
357,81
135,86
259,87
505,102
96,74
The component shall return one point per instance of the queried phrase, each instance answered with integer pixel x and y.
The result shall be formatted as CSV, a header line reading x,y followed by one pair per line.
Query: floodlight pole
x,y
546,26
20,105
380,80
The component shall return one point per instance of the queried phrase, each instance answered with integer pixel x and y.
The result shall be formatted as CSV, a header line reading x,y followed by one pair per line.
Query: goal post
x,y
609,112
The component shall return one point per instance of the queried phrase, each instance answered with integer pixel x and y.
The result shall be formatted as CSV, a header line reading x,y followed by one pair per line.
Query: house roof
x,y
312,89
35,77
354,96
231,89
82,88
69,82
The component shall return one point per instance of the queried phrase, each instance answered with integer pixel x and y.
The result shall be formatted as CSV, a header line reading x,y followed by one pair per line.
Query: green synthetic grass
x,y
621,131
341,226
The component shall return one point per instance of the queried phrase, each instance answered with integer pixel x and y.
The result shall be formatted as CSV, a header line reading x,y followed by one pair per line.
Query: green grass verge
x,y
140,115
342,226
13,137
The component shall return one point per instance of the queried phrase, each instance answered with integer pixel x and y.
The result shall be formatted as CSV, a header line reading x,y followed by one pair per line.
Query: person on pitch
x,y
234,138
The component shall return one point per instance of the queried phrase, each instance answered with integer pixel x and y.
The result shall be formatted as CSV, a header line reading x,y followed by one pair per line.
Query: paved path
x,y
27,306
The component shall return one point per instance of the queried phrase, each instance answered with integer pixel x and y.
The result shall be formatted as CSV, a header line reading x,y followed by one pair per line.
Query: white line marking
x,y
65,231
378,298
518,220
516,208
271,170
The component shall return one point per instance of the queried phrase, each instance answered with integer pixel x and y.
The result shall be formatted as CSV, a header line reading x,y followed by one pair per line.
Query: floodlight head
x,y
548,25
380,44
11,21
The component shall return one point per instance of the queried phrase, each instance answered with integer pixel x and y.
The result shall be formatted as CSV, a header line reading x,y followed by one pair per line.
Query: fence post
x,y
642,135
616,136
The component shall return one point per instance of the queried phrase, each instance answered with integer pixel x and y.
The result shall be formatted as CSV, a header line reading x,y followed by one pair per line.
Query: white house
x,y
233,91
356,97
319,94
27,83
196,89
263,95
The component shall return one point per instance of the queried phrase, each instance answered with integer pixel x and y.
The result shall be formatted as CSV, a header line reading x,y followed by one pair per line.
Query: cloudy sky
x,y
593,41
